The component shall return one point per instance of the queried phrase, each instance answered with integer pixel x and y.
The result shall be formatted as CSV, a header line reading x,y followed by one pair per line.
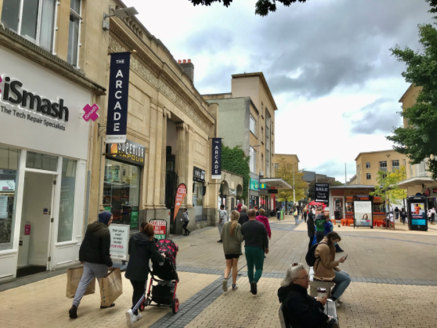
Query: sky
x,y
328,64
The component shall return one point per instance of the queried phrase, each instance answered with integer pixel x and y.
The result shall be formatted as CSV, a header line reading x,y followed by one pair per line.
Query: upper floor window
x,y
367,165
252,125
74,33
32,19
252,161
383,165
368,176
395,164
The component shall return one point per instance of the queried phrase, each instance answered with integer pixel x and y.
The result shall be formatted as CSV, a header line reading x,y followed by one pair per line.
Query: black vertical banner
x,y
322,192
216,158
117,98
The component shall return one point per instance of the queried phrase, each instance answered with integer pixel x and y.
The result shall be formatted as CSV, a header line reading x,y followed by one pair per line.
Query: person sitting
x,y
299,308
326,266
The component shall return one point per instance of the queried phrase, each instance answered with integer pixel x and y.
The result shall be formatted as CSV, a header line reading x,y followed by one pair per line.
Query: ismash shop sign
x,y
21,103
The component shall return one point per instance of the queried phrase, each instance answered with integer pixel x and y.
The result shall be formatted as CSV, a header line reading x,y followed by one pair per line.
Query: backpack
x,y
310,257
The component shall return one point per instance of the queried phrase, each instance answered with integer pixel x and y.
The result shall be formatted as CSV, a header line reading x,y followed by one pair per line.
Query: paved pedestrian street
x,y
394,284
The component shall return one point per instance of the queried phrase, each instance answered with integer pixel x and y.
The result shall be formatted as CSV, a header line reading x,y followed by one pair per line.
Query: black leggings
x,y
139,287
184,226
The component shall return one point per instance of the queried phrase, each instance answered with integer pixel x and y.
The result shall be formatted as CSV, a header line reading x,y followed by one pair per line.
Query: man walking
x,y
256,243
223,218
94,254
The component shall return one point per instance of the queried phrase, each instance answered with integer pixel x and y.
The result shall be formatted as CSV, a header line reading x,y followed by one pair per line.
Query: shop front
x,y
121,189
253,193
43,167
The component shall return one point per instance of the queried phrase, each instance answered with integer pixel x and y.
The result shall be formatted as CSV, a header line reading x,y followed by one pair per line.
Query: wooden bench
x,y
314,284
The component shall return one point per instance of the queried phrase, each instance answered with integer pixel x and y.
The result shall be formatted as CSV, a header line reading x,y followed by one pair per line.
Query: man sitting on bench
x,y
326,267
299,309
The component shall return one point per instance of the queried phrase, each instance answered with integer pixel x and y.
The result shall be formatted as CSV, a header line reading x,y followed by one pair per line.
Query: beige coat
x,y
325,265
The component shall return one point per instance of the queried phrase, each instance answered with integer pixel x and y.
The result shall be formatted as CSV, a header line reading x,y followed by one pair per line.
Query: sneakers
x,y
225,285
338,303
73,312
132,318
253,288
234,287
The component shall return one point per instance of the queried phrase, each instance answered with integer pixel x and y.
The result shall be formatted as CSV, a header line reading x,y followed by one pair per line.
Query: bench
x,y
314,284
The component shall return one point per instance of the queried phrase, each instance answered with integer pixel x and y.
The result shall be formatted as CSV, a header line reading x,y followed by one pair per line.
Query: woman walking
x,y
142,248
232,239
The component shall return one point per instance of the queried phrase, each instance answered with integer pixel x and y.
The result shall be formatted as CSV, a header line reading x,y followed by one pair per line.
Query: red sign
x,y
160,228
180,195
27,229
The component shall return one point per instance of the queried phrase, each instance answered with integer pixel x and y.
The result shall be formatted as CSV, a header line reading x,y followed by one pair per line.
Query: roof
x,y
374,152
277,183
413,181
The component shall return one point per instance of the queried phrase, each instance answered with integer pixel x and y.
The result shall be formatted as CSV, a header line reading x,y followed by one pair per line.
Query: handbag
x,y
111,287
73,277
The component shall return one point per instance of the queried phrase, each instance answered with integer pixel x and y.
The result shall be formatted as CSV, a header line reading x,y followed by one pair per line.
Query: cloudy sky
x,y
328,64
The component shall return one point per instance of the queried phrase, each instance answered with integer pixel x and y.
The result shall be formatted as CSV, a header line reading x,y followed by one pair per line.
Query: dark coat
x,y
300,309
141,250
310,225
95,245
243,218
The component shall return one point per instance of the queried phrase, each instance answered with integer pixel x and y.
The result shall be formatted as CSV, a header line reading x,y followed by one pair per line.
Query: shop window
x,y
32,19
74,32
66,204
9,159
41,161
368,176
121,192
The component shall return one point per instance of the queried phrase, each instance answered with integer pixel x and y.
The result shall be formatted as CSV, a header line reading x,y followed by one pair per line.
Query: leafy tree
x,y
418,138
388,186
262,7
234,160
288,172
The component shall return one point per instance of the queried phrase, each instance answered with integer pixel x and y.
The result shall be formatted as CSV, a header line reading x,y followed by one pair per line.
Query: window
x,y
252,125
252,161
9,159
74,33
66,203
383,165
41,161
32,19
367,165
368,176
395,164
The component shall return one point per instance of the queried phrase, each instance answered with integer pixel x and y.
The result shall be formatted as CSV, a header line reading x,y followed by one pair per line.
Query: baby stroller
x,y
163,278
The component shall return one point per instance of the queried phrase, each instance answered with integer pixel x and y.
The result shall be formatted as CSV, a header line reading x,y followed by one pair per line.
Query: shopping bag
x,y
110,287
73,278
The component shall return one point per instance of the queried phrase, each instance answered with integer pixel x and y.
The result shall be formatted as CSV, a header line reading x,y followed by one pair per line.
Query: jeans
x,y
342,280
138,292
254,257
90,271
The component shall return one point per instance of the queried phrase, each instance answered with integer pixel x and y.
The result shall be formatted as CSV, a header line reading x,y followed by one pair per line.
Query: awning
x,y
415,181
275,183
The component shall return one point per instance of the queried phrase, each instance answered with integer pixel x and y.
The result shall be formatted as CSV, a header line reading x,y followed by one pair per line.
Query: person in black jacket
x,y
243,215
94,254
311,228
142,248
301,310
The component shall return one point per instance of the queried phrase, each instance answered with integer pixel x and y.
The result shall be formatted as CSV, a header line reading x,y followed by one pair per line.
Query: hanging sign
x,y
322,192
216,158
117,98
180,195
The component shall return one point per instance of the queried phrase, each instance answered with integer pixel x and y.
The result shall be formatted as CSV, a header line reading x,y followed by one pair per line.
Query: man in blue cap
x,y
94,254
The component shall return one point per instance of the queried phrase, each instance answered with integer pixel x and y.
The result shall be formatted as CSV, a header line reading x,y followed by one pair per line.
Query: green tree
x,y
289,173
388,186
234,160
262,7
418,138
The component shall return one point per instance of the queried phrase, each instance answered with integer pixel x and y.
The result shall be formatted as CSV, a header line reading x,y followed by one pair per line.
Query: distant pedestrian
x,y
305,213
223,218
311,229
185,220
256,243
296,216
232,237
264,220
141,249
278,213
403,215
239,207
320,223
243,215
389,220
396,213
94,254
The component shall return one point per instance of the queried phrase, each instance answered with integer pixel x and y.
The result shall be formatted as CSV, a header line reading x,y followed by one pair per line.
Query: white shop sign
x,y
119,241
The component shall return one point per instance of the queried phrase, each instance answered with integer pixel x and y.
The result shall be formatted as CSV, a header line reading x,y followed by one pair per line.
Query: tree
x,y
418,138
234,160
262,7
288,172
388,186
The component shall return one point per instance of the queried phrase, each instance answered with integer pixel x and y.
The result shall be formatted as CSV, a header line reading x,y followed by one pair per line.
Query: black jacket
x,y
310,225
243,218
141,250
255,234
300,309
95,245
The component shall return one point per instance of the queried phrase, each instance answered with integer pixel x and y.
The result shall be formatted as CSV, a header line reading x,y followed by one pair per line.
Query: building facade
x,y
51,71
246,118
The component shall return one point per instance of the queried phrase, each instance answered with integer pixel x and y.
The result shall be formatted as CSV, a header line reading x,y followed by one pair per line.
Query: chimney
x,y
188,68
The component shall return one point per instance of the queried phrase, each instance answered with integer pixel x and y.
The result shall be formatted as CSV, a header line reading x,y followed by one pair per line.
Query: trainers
x,y
234,287
73,312
132,318
338,303
253,288
225,285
